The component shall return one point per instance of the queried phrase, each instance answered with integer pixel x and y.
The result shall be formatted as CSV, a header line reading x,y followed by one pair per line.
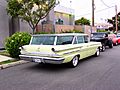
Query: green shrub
x,y
44,33
101,31
17,40
72,31
40,33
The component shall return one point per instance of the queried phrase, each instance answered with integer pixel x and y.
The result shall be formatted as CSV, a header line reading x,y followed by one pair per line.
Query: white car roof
x,y
62,34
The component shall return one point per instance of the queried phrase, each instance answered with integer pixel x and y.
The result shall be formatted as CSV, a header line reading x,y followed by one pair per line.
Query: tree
x,y
82,21
113,22
32,11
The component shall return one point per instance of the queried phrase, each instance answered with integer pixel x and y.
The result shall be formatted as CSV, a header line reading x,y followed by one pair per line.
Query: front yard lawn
x,y
4,53
8,61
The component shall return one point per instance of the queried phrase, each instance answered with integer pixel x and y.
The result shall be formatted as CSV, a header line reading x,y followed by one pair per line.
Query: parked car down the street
x,y
118,35
59,48
115,39
103,38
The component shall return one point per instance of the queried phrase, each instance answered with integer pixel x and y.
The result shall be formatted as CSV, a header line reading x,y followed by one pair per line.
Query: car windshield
x,y
43,40
62,40
99,35
118,35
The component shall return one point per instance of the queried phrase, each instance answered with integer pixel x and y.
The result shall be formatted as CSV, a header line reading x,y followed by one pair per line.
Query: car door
x,y
90,46
84,47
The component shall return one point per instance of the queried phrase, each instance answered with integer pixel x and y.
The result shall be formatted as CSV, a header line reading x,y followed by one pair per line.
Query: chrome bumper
x,y
40,59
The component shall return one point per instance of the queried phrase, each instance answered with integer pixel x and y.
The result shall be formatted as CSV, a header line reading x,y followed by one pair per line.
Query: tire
x,y
74,62
110,44
97,52
116,43
103,48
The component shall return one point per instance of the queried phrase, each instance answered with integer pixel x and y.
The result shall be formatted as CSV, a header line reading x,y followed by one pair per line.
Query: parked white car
x,y
59,48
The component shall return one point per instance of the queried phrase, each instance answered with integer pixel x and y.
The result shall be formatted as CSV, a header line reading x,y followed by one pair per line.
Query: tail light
x,y
53,49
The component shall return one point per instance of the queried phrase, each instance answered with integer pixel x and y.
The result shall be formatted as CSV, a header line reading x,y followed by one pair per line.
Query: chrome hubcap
x,y
98,52
103,48
75,61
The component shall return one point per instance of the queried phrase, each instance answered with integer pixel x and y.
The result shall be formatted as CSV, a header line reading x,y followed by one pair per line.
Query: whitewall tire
x,y
74,61
97,52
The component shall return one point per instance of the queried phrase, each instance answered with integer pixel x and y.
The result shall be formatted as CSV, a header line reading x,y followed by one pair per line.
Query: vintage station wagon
x,y
59,48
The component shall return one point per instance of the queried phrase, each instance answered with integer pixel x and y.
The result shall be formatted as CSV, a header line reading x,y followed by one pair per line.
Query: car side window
x,y
86,39
80,39
62,40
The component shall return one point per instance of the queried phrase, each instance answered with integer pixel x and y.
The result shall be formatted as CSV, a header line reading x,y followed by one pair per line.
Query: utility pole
x,y
70,15
116,17
93,8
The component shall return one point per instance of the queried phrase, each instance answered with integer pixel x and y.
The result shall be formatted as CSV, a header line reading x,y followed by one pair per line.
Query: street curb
x,y
12,64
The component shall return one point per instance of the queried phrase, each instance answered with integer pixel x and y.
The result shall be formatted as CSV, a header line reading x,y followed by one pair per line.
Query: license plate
x,y
37,60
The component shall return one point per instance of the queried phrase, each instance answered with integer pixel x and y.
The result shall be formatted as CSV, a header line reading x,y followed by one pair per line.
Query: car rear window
x,y
43,40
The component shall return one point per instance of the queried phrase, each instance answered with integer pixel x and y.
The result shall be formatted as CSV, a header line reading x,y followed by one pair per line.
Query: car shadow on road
x,y
58,67
49,67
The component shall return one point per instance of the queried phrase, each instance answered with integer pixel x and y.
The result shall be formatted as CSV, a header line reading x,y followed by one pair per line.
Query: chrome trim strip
x,y
50,58
43,59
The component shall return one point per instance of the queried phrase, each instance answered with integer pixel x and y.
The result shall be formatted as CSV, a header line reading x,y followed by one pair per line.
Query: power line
x,y
96,11
104,9
83,14
104,3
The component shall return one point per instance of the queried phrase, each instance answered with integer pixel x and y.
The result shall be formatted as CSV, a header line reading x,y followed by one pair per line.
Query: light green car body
x,y
58,54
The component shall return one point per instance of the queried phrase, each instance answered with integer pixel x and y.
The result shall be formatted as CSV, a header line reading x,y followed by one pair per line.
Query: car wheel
x,y
111,45
116,43
74,61
97,52
103,48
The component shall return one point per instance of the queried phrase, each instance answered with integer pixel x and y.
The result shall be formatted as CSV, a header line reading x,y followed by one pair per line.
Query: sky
x,y
104,9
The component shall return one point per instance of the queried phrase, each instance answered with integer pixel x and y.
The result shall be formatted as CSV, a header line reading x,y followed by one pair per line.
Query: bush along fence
x,y
17,40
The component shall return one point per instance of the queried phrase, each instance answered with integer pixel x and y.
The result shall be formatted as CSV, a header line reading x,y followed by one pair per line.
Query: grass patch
x,y
5,53
8,61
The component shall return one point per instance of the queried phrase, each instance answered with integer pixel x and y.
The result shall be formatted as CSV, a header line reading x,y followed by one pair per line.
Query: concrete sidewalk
x,y
4,58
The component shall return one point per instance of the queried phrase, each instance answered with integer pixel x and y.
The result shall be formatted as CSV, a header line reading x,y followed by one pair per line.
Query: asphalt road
x,y
94,73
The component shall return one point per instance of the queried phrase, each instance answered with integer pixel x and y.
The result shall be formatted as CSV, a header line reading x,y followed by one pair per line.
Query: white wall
x,y
4,23
24,27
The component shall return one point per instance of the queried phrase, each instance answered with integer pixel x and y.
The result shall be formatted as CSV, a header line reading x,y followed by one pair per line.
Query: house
x,y
64,15
60,15
103,26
